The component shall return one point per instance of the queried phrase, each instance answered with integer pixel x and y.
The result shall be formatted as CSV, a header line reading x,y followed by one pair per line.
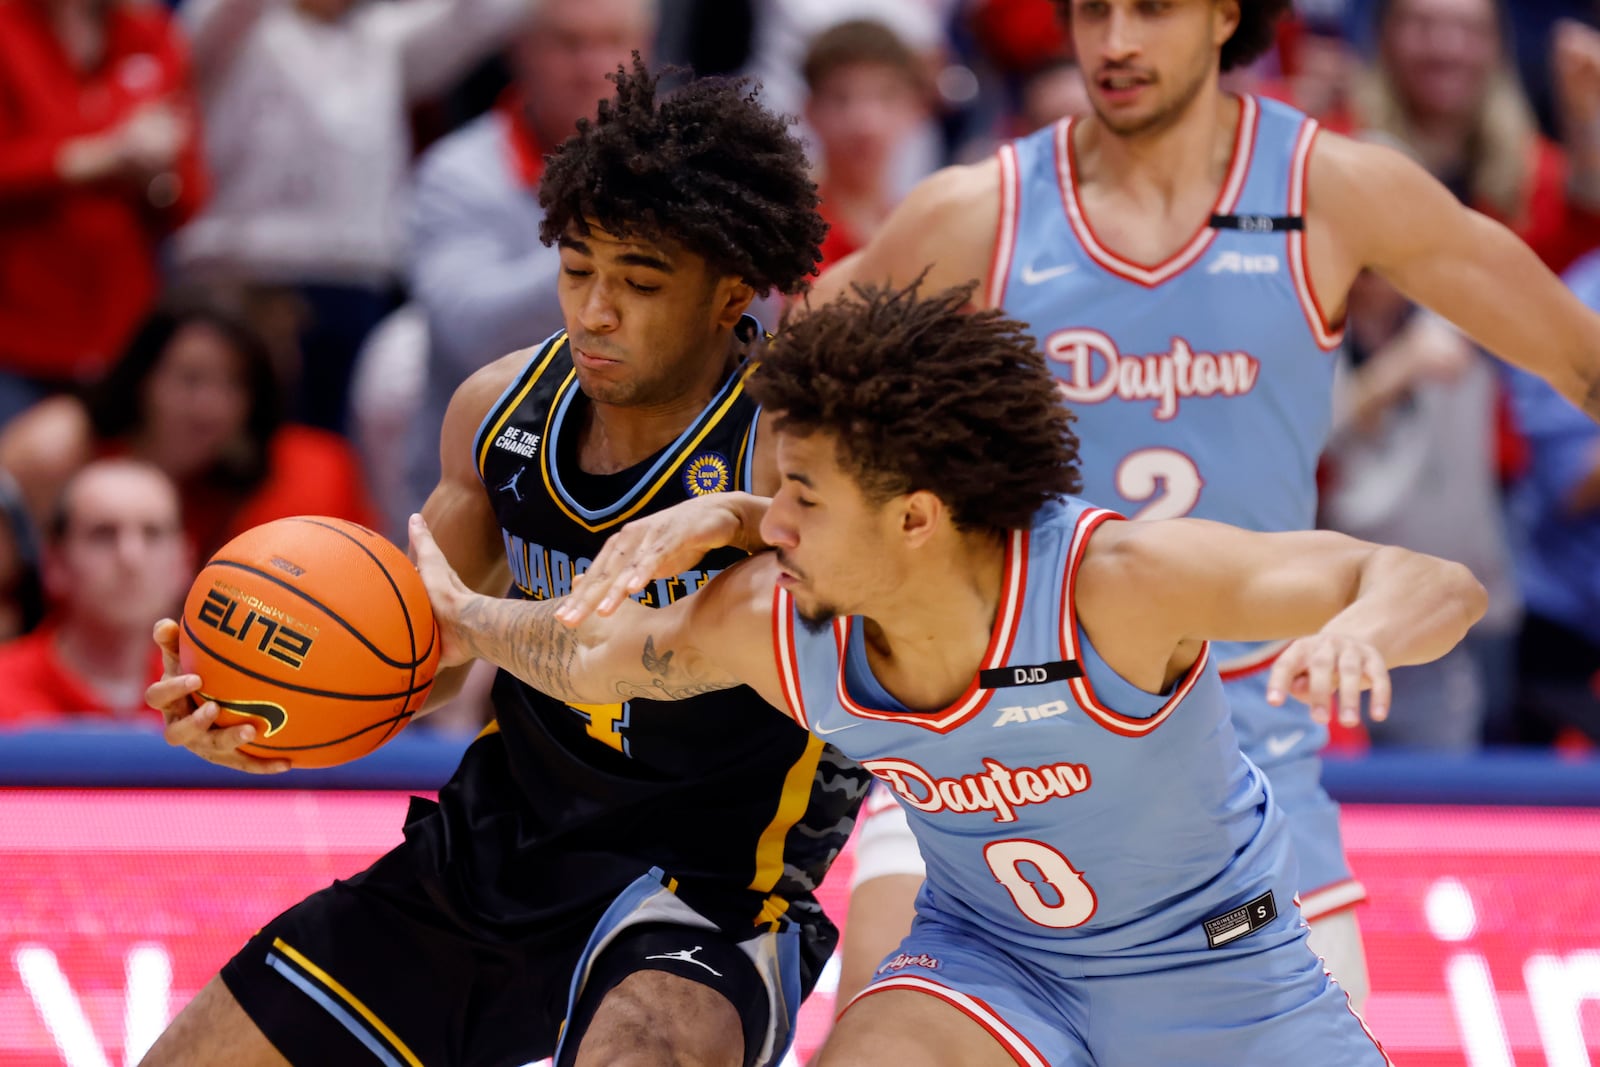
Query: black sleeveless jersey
x,y
556,807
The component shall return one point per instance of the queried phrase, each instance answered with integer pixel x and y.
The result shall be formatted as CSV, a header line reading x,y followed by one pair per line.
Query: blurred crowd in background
x,y
248,249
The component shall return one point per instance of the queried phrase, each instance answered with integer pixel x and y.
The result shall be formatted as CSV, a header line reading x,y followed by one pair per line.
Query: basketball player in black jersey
x,y
624,882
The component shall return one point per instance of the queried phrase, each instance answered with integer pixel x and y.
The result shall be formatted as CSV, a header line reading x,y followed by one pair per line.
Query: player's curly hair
x,y
706,166
921,393
1251,38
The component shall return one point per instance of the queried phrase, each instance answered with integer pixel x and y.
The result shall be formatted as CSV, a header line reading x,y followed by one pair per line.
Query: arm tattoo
x,y
524,638
666,681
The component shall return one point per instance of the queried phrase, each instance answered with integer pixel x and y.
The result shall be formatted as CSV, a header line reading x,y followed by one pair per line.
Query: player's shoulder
x,y
483,389
945,227
956,187
1351,173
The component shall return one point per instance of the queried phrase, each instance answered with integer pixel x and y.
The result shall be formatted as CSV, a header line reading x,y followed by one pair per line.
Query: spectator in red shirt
x,y
115,562
196,395
98,160
866,96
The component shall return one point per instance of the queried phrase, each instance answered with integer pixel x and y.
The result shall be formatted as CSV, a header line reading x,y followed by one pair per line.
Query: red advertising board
x,y
1483,933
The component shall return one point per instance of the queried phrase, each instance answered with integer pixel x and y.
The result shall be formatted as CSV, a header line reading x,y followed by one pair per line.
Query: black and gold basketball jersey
x,y
558,807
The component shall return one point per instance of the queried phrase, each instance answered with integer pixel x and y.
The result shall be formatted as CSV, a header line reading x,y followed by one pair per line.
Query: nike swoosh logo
x,y
820,732
1280,745
1036,277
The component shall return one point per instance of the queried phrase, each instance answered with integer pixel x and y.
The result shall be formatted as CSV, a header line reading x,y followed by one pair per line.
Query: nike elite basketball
x,y
316,630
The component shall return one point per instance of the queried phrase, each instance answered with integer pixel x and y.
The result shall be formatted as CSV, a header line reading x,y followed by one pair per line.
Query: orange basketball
x,y
318,631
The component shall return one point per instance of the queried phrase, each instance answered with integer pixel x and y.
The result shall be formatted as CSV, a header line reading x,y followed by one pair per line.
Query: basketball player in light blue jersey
x,y
1183,256
1108,879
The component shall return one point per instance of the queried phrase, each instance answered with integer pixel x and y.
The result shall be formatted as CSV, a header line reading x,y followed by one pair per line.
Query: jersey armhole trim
x,y
1115,721
1327,337
1005,238
788,661
511,398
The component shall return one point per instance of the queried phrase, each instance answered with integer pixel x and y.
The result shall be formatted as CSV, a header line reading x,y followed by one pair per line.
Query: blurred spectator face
x,y
1055,93
860,113
1440,54
1326,65
117,557
1145,63
562,61
196,401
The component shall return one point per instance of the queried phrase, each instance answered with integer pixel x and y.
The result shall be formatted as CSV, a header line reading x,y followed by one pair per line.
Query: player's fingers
x,y
1351,672
170,696
188,731
1320,667
1378,674
1280,680
166,637
424,551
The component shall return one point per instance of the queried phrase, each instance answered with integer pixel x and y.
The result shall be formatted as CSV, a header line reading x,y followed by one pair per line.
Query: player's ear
x,y
1227,20
732,300
919,516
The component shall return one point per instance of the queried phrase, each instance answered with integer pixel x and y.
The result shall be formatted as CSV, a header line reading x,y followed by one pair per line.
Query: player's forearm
x,y
1411,607
523,637
622,657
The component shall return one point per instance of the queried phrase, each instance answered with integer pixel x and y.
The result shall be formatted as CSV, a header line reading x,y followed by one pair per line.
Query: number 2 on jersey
x,y
1165,481
1056,897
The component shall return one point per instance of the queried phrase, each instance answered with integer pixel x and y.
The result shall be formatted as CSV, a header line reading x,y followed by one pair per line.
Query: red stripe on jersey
x,y
1005,238
1244,142
1251,663
1327,339
1116,722
1326,900
1020,1048
1001,640
783,648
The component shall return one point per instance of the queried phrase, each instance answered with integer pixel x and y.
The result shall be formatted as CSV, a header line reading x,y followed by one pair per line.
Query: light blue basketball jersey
x,y
1060,810
1202,385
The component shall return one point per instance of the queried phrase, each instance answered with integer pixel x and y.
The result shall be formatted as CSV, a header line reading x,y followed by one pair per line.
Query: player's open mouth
x,y
1122,86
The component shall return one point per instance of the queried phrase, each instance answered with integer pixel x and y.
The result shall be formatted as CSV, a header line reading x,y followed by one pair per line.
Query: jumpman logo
x,y
687,956
511,484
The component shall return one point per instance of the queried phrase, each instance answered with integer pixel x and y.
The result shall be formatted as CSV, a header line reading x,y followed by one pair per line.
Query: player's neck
x,y
927,644
616,437
1191,148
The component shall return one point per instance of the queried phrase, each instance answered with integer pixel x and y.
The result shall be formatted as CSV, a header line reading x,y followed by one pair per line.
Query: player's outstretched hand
x,y
1325,669
448,595
660,546
194,727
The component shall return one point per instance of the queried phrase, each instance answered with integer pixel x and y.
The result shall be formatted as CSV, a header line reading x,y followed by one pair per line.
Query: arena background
x,y
129,872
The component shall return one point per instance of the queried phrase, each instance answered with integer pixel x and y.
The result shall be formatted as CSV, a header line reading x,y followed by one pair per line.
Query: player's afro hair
x,y
919,392
706,166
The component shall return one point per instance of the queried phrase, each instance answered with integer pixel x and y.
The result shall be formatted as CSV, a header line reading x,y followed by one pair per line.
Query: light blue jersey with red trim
x,y
1203,384
1059,809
